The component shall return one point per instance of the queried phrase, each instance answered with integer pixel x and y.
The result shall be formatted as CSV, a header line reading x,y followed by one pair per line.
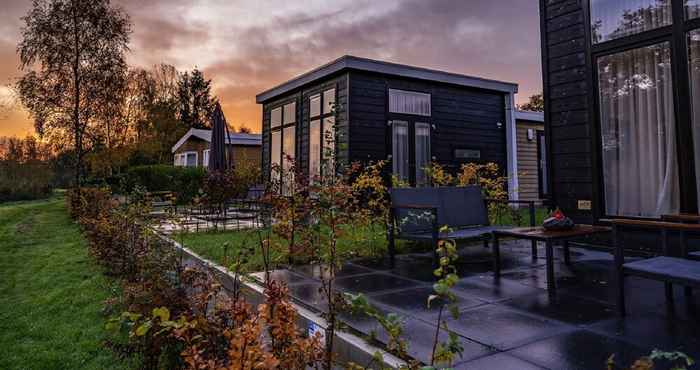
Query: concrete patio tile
x,y
579,350
413,302
309,294
537,276
486,288
654,331
566,308
504,328
498,361
376,282
419,336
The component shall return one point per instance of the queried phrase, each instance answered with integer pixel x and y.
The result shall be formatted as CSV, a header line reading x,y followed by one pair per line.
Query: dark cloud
x,y
488,39
245,55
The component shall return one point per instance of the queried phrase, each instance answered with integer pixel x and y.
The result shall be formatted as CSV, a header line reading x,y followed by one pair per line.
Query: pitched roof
x,y
371,65
233,138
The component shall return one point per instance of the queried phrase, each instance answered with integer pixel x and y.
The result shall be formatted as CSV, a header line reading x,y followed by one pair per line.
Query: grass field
x,y
51,294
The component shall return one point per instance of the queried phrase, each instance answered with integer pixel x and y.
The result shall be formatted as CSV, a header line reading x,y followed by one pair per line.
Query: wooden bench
x,y
666,268
418,214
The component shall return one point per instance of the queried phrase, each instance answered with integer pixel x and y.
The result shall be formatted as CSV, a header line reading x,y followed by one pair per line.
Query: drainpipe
x,y
511,146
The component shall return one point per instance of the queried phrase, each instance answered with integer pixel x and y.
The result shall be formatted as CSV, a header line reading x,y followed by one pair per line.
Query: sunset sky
x,y
247,46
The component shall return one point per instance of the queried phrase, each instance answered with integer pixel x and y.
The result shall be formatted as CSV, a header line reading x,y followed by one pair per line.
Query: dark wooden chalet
x,y
622,100
385,110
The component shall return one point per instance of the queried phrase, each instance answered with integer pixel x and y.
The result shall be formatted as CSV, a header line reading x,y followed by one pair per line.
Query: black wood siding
x,y
568,103
463,118
301,96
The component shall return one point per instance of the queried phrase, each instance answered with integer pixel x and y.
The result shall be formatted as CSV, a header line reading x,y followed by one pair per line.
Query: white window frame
x,y
205,157
196,158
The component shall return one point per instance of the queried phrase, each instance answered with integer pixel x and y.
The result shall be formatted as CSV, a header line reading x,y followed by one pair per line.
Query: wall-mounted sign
x,y
467,154
584,205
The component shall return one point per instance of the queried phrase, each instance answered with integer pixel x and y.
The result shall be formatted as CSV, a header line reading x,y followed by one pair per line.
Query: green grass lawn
x,y
368,242
51,293
355,244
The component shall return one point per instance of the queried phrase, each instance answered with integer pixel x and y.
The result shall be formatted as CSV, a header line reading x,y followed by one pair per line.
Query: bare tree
x,y
73,54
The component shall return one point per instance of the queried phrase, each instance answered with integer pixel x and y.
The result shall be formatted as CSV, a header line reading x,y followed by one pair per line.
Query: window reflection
x,y
612,19
692,9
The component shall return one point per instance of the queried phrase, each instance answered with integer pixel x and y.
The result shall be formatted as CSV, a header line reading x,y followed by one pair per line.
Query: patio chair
x,y
669,267
418,214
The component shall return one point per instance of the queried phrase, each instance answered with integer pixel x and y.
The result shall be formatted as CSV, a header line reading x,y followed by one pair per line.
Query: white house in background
x,y
192,150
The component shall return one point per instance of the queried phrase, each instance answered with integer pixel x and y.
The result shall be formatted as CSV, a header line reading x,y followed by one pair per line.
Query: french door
x,y
411,155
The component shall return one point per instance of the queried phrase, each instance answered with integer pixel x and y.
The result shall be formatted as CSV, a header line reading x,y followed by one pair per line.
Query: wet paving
x,y
511,322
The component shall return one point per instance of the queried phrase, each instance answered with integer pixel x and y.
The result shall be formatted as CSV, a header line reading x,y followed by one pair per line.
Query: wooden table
x,y
539,234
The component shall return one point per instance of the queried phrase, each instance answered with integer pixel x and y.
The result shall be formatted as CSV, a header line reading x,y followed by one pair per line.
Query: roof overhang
x,y
349,62
524,115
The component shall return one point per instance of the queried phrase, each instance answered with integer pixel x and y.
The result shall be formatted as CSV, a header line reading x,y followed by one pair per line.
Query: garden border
x,y
348,347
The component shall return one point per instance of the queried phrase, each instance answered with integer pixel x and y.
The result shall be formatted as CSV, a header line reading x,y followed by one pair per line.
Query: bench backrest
x,y
456,207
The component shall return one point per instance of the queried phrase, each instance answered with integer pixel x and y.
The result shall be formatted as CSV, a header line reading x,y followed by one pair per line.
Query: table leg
x,y
496,256
534,250
567,254
551,284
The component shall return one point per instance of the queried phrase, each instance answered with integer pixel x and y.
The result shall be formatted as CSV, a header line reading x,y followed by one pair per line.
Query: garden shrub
x,y
25,181
175,318
185,182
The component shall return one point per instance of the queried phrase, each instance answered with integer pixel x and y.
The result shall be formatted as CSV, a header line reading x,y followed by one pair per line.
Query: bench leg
x,y
668,290
621,294
436,256
688,292
496,257
567,253
486,243
533,246
392,246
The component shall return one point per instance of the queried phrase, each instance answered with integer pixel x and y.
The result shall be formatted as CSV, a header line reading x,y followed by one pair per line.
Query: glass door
x,y
411,153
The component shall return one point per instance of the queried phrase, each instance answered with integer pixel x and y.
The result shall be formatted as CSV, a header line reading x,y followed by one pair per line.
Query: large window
x,y
282,143
186,159
647,59
612,19
321,133
638,132
692,9
409,102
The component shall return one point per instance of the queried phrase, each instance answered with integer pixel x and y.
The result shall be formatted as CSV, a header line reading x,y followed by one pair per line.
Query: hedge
x,y
185,182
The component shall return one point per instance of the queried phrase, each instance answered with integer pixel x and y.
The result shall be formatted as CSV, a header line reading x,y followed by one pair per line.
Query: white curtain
x,y
288,156
638,132
399,156
409,102
694,65
422,153
315,149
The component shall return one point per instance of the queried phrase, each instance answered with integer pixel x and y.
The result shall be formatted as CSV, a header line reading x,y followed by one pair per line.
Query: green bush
x,y
25,181
185,182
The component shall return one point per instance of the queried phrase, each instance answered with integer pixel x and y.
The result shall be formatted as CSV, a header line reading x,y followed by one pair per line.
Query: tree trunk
x,y
76,107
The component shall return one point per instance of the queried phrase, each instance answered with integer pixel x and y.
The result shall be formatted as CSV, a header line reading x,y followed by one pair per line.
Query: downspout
x,y
511,146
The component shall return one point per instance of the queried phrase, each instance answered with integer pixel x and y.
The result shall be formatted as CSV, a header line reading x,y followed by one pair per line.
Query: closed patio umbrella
x,y
219,156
